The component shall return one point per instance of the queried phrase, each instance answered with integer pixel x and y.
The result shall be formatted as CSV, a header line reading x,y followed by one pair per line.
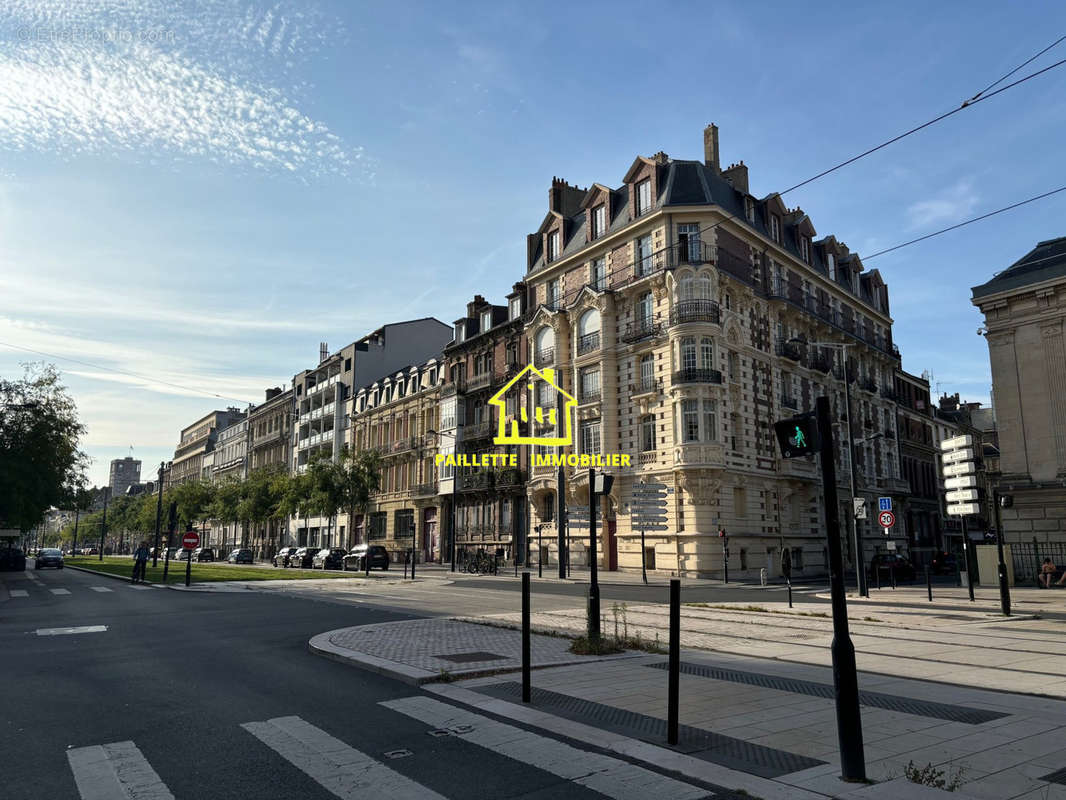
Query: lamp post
x,y
455,493
860,566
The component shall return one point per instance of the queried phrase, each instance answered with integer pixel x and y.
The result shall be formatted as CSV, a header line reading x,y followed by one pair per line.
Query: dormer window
x,y
486,320
599,221
805,249
644,196
553,246
831,263
514,308
749,209
775,228
460,332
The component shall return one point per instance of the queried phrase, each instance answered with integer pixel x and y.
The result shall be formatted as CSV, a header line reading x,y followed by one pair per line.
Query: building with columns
x,y
685,315
1024,308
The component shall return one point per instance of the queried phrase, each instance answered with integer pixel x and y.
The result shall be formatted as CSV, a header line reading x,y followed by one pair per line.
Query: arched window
x,y
695,287
688,353
588,331
544,345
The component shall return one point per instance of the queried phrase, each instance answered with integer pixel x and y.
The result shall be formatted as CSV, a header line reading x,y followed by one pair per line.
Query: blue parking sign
x,y
884,503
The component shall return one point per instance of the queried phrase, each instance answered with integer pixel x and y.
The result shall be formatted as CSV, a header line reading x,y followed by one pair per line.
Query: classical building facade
x,y
271,449
488,350
395,415
197,440
684,315
1024,308
919,516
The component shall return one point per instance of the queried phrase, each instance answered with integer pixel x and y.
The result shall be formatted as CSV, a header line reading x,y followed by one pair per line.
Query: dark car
x,y
304,557
944,564
12,559
889,563
49,557
329,558
356,558
282,557
241,555
203,554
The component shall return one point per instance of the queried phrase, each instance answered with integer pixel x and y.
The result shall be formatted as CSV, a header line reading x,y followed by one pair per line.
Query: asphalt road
x,y
179,673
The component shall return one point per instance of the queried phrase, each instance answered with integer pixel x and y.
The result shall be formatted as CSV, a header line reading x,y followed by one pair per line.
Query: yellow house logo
x,y
541,415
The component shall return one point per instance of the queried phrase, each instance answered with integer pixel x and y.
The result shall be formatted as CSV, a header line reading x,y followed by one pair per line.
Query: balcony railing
x,y
648,384
790,350
820,363
689,252
482,381
424,489
588,343
474,481
591,395
789,402
868,385
510,477
695,311
478,430
544,357
648,457
695,375
641,329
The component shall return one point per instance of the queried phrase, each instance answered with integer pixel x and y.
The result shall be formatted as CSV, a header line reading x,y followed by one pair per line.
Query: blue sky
x,y
202,192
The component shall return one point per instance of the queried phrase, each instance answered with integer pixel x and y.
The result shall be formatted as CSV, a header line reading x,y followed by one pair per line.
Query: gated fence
x,y
1028,556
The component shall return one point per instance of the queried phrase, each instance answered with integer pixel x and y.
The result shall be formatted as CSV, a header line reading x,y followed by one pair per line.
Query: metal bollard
x,y
789,581
892,572
526,689
675,660
929,583
877,575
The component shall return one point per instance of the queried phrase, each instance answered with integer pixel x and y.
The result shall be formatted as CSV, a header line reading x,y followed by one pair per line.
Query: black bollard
x,y
892,572
929,583
789,581
675,660
877,575
526,690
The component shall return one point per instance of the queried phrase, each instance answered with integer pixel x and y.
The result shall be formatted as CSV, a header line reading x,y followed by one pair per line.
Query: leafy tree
x,y
359,476
327,492
39,455
225,506
194,499
262,495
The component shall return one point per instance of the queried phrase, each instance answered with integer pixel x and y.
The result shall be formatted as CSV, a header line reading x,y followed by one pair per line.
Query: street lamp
x,y
455,491
860,567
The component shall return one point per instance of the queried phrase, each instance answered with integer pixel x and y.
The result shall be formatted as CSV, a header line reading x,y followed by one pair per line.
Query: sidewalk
x,y
762,725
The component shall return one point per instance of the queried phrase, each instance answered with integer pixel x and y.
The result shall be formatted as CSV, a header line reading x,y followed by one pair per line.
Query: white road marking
x,y
101,589
116,771
139,586
19,593
67,631
59,591
342,770
608,776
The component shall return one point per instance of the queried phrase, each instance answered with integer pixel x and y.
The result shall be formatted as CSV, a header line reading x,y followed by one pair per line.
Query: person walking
x,y
140,562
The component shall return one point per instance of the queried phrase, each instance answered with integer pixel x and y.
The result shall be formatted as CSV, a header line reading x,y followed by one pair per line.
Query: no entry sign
x,y
191,540
887,519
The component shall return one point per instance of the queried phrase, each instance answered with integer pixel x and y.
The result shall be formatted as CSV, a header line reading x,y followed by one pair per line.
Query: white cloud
x,y
214,82
950,205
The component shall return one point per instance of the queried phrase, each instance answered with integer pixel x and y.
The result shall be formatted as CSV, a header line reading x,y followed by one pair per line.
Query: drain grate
x,y
1058,776
754,759
466,658
889,702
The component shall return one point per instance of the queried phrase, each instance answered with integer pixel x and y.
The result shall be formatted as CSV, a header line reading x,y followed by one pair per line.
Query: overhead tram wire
x,y
967,222
201,392
972,101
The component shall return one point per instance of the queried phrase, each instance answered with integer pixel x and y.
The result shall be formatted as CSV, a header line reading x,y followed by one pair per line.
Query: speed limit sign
x,y
887,519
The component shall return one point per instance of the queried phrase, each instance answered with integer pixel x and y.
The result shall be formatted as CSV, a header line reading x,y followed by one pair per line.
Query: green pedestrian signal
x,y
798,436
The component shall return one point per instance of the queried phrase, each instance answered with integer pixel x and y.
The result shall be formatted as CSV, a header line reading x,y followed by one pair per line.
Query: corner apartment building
x,y
321,395
488,350
919,518
685,314
196,441
271,449
1025,309
124,473
394,415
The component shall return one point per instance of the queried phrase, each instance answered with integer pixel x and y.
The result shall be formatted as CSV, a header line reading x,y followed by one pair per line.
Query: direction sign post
x,y
648,513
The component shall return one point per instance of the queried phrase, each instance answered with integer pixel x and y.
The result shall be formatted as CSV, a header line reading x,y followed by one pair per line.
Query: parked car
x,y
240,555
944,564
329,558
356,558
12,559
281,559
203,554
48,557
887,563
303,557
180,554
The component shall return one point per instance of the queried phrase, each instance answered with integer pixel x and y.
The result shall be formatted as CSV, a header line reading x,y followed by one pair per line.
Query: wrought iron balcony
x,y
476,481
424,489
790,350
544,357
588,343
478,430
648,384
511,476
482,381
689,252
820,363
789,402
641,329
591,395
695,311
695,375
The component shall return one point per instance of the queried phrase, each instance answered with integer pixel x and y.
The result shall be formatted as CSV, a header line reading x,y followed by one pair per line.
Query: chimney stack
x,y
565,199
323,352
737,174
710,147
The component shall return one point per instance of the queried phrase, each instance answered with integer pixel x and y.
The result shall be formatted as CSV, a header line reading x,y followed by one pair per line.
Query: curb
x,y
112,575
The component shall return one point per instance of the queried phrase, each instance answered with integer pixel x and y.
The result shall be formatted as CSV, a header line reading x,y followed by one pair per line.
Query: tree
x,y
325,479
194,500
296,498
39,455
226,504
359,476
262,495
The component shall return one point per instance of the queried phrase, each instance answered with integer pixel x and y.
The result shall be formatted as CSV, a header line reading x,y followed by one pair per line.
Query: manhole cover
x,y
465,658
397,754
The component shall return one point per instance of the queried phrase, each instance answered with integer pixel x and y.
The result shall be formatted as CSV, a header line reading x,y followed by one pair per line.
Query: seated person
x,y
1047,570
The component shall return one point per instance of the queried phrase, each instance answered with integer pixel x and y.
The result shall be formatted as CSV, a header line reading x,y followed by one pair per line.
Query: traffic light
x,y
798,436
1006,501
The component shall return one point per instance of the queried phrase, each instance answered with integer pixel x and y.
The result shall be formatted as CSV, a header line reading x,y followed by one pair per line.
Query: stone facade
x,y
1025,308
125,472
197,440
271,449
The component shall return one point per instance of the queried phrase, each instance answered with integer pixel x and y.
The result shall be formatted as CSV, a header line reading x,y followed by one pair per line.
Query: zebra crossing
x,y
38,591
120,771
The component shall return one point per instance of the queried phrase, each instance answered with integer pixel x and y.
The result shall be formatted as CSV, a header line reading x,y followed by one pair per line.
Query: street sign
x,y
650,485
963,509
603,483
961,496
955,456
798,436
884,503
638,521
962,482
890,545
957,442
656,526
886,519
190,540
958,470
858,505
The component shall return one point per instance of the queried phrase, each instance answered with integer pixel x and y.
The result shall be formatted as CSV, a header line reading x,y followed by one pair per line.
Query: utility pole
x,y
158,517
103,522
560,522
